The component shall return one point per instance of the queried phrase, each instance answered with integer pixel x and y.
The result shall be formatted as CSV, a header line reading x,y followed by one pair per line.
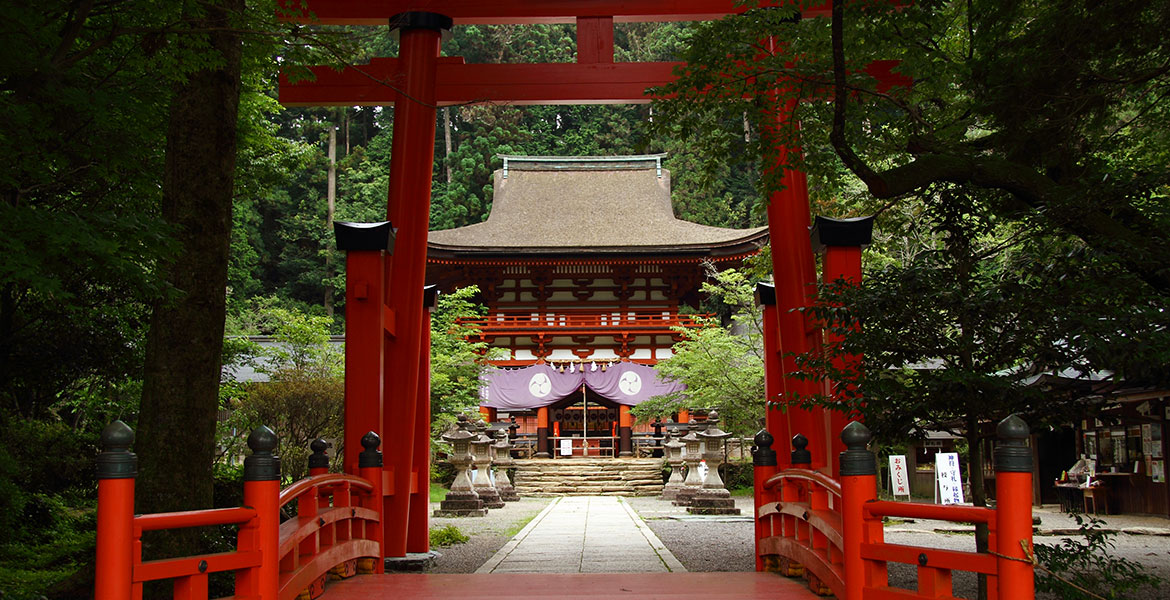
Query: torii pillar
x,y
368,248
409,203
841,241
794,274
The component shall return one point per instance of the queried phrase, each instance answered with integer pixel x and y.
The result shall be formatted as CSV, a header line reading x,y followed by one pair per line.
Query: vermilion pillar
x,y
1013,508
488,413
625,431
367,246
116,469
858,476
411,160
418,538
794,275
684,415
841,241
776,420
542,449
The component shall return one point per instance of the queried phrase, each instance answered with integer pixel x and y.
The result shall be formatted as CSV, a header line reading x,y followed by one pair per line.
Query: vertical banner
x,y
899,476
950,481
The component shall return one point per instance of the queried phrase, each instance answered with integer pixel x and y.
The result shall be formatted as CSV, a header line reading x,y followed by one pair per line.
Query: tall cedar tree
x,y
176,427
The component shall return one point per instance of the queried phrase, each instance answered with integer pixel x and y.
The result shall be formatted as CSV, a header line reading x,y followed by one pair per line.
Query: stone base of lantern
x,y
461,504
712,502
490,498
684,495
507,492
670,491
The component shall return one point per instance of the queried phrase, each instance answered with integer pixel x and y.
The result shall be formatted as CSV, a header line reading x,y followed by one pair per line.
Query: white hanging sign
x,y
566,447
950,480
899,476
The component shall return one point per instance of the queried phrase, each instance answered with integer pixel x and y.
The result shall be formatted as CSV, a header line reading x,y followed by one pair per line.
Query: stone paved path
x,y
584,534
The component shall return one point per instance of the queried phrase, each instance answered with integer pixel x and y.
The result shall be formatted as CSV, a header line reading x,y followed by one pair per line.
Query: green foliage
x,y
304,398
47,504
437,493
442,473
456,360
738,475
722,367
447,536
1054,110
959,332
1085,568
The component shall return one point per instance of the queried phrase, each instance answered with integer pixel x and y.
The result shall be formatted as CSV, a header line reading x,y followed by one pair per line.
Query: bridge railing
x,y
831,532
798,520
337,525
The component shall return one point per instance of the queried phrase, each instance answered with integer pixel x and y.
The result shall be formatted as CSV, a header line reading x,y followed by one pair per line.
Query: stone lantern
x,y
658,425
713,498
674,458
462,501
481,457
692,456
503,461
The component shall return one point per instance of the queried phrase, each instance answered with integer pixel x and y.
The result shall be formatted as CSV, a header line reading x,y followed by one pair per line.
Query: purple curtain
x,y
541,385
530,387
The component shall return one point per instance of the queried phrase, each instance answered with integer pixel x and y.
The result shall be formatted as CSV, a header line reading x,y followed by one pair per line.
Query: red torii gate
x,y
416,83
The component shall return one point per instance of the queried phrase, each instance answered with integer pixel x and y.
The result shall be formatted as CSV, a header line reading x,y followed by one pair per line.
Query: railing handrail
x,y
295,490
828,483
193,518
936,512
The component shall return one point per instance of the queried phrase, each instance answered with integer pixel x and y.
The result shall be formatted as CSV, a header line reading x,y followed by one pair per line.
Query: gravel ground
x,y
488,534
701,544
712,544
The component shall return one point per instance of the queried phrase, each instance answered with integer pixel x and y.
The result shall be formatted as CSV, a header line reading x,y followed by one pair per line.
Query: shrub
x,y
448,536
1075,569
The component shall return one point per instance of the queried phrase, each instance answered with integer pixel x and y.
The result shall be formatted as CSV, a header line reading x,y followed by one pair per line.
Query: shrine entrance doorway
x,y
585,424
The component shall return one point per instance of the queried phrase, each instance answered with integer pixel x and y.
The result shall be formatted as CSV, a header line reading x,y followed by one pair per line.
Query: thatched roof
x,y
587,205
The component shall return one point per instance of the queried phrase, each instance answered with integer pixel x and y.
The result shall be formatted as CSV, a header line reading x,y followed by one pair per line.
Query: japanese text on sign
x,y
899,477
950,481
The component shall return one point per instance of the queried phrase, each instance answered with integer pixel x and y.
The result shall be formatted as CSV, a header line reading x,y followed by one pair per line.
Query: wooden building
x,y
583,265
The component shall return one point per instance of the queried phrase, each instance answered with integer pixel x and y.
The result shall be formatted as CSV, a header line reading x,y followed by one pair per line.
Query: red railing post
x,y
318,460
763,468
1013,507
116,469
370,469
858,486
262,493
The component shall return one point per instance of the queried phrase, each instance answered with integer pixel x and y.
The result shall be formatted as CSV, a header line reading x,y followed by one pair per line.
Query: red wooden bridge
x,y
817,516
828,532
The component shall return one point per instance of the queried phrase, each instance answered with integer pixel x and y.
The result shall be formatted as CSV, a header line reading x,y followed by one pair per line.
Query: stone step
x,y
589,476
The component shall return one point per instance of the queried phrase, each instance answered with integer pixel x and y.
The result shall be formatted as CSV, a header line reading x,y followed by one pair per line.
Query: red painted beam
x,y
378,83
472,12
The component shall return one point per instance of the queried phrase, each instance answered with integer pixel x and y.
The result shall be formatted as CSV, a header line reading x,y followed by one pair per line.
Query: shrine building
x,y
583,268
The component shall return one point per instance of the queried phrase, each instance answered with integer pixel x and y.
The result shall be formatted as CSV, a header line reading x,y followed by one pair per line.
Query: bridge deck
x,y
726,586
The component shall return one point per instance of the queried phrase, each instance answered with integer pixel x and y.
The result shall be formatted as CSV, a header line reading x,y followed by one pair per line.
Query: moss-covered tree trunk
x,y
176,426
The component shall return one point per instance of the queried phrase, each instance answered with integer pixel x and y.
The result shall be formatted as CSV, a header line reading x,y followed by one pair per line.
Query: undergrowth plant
x,y
1084,568
448,536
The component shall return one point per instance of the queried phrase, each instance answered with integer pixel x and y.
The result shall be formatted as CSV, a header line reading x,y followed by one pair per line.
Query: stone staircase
x,y
589,477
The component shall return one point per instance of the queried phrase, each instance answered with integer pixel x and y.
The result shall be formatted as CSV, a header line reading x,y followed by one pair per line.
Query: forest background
x,y
1026,163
